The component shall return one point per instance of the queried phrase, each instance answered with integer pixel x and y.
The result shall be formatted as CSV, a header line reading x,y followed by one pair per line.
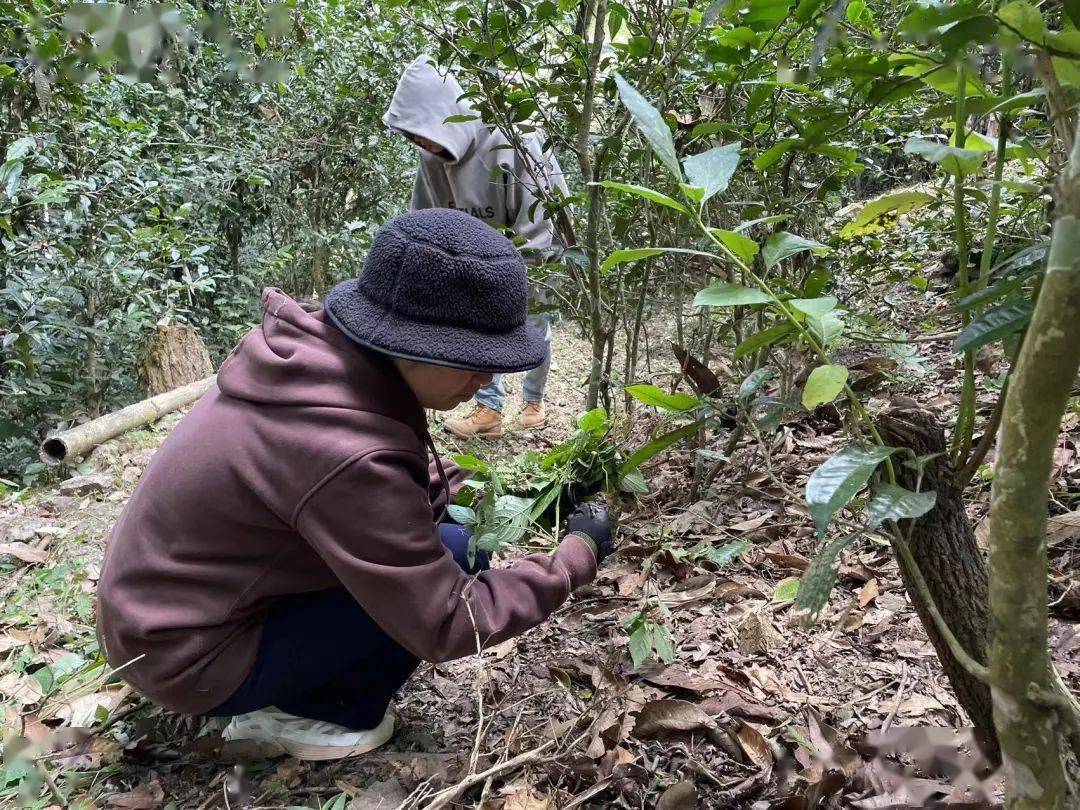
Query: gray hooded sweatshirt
x,y
491,183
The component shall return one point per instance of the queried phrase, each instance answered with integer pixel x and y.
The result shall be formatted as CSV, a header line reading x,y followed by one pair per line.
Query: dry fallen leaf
x,y
868,593
831,748
20,688
527,800
144,797
1063,528
385,795
750,525
23,552
629,584
82,712
754,745
917,705
662,716
757,635
680,796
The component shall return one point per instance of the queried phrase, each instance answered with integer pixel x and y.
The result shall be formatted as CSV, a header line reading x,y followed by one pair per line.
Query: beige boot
x,y
483,422
533,415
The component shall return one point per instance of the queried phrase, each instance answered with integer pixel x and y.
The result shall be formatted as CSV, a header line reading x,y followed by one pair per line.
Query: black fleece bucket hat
x,y
441,287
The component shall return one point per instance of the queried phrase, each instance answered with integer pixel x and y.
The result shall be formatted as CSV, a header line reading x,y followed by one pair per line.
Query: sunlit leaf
x,y
742,246
823,385
647,193
951,158
651,124
885,212
713,169
838,480
786,590
892,502
658,398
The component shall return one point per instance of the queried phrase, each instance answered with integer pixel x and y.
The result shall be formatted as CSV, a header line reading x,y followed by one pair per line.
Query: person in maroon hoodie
x,y
283,560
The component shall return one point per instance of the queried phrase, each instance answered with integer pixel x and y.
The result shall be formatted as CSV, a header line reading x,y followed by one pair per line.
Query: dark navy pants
x,y
321,656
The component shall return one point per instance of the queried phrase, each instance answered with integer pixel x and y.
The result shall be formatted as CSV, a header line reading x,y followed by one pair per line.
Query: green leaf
x,y
837,481
994,324
827,329
980,29
823,385
884,212
786,590
818,581
774,153
647,193
892,502
766,337
753,383
594,421
640,645
783,245
20,148
651,124
673,403
1072,10
461,119
952,159
814,307
696,194
742,246
662,643
659,445
1024,19
1020,100
628,255
806,10
723,555
634,254
707,128
728,294
462,514
508,522
633,482
467,462
712,170
769,220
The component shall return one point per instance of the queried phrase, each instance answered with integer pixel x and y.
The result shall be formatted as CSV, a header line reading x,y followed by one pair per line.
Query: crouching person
x,y
283,559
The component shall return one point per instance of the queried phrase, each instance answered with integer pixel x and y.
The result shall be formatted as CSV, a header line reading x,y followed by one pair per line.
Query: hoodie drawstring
x,y
442,475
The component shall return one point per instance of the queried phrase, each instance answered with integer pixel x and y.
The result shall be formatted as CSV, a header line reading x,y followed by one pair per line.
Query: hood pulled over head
x,y
422,102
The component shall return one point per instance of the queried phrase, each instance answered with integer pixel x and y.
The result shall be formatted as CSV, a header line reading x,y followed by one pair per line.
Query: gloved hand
x,y
590,520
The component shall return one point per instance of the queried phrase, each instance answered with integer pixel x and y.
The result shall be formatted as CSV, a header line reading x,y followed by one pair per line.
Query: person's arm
x,y
371,523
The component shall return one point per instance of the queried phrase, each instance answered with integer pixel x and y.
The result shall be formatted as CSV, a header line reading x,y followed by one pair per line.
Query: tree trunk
x,y
173,357
944,548
1020,668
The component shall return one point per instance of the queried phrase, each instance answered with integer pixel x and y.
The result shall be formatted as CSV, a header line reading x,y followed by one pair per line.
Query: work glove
x,y
590,521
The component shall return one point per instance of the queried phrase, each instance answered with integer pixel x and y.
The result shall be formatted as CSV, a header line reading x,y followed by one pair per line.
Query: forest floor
x,y
756,710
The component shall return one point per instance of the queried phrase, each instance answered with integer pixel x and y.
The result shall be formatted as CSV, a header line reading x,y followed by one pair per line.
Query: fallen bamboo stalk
x,y
78,441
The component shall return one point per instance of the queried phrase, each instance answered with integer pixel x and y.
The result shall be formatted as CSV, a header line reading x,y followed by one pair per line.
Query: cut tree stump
x,y
174,356
946,553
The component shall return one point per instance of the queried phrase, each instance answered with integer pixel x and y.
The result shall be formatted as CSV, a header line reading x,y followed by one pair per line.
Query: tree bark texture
x,y
173,357
943,545
1042,380
78,441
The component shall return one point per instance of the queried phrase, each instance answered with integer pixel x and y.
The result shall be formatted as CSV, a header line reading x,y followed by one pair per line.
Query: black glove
x,y
590,520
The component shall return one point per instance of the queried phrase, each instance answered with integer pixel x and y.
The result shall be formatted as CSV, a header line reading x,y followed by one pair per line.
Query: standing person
x,y
283,559
468,167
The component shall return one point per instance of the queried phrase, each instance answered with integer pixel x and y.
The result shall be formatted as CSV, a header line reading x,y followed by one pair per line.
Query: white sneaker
x,y
304,738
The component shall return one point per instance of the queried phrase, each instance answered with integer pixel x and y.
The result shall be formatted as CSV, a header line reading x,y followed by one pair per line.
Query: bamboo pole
x,y
78,441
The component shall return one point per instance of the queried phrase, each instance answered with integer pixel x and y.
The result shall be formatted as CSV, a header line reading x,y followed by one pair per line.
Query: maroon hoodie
x,y
305,468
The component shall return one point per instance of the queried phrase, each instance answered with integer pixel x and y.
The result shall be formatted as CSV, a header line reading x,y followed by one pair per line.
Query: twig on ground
x,y
899,698
475,756
444,797
583,797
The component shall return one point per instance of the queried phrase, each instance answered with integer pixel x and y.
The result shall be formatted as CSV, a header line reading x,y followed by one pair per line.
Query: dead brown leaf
x,y
82,712
630,584
754,745
527,800
385,795
751,524
917,705
23,552
681,677
1063,528
680,796
145,797
659,717
792,561
830,745
868,593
